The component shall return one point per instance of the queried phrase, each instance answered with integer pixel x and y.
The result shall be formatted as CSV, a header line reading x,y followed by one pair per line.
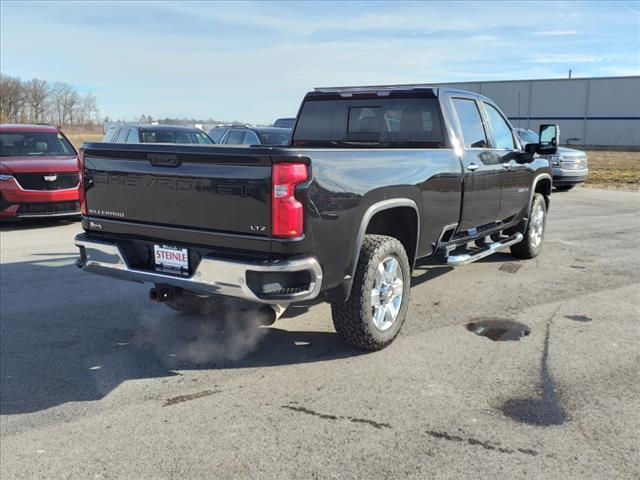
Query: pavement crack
x,y
191,396
311,412
324,416
377,425
487,445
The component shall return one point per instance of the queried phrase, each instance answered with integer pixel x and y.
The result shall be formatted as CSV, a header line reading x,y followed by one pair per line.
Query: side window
x,y
122,135
235,137
471,123
250,138
216,134
108,135
133,136
500,128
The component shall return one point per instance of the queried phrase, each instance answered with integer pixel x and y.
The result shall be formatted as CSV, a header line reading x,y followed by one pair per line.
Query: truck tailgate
x,y
223,189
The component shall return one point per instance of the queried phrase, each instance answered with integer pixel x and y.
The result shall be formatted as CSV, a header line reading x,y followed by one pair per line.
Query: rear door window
x,y
269,138
235,137
122,135
132,137
216,134
250,138
108,135
471,123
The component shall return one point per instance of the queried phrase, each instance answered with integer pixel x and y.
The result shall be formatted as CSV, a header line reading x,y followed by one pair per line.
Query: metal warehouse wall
x,y
590,111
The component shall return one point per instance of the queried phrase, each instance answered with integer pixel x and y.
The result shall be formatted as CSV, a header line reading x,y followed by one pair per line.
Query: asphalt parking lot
x,y
98,382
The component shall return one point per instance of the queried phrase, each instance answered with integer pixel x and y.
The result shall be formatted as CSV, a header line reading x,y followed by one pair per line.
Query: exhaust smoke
x,y
221,329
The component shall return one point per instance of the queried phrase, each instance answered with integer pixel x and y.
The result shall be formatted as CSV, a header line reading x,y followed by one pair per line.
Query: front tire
x,y
531,245
375,311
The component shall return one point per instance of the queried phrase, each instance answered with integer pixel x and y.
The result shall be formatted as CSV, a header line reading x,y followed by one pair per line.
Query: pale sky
x,y
254,61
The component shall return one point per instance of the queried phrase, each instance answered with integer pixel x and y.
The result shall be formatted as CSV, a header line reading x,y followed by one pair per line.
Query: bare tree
x,y
38,101
36,92
11,98
64,103
72,102
58,94
89,108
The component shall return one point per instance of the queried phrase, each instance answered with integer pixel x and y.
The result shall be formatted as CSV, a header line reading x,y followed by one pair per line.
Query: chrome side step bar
x,y
470,257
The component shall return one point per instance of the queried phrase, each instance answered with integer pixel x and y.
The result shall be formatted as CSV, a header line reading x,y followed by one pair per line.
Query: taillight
x,y
286,211
83,192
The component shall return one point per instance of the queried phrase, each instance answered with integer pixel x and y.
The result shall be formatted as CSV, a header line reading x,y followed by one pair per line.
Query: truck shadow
x,y
67,336
427,269
35,223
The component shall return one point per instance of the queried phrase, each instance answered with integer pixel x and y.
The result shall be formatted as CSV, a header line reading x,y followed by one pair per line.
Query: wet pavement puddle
x,y
499,329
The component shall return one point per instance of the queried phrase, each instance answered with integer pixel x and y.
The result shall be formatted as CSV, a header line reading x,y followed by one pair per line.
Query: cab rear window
x,y
175,136
376,122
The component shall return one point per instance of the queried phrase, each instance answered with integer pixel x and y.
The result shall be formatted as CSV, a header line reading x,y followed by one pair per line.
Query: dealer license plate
x,y
175,258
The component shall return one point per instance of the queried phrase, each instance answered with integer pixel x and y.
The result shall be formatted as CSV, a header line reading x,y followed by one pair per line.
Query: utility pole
x,y
569,73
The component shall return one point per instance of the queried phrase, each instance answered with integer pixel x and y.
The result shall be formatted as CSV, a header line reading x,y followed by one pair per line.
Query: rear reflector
x,y
287,212
82,193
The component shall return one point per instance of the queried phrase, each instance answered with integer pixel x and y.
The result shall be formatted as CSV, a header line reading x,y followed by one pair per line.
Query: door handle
x,y
472,167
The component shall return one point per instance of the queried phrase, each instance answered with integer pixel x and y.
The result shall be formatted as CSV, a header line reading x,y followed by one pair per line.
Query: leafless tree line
x,y
39,101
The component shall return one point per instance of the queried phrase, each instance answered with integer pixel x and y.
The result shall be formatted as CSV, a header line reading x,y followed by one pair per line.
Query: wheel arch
x,y
541,184
375,221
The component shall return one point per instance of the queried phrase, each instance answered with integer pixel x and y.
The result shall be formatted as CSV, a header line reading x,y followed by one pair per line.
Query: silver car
x,y
569,165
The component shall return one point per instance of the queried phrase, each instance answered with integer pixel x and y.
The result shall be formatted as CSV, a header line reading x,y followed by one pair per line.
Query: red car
x,y
39,172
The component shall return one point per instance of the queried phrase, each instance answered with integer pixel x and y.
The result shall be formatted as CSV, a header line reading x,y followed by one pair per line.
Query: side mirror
x,y
549,139
530,149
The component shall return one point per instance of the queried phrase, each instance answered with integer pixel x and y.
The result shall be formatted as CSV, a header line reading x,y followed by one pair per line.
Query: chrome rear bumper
x,y
213,276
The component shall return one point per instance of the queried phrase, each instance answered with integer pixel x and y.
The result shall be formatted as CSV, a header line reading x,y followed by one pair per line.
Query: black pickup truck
x,y
373,180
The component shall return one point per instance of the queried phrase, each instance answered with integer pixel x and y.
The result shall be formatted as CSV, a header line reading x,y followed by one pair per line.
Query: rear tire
x,y
531,245
373,315
564,188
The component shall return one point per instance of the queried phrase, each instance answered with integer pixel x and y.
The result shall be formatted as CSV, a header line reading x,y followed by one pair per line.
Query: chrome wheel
x,y
386,295
537,226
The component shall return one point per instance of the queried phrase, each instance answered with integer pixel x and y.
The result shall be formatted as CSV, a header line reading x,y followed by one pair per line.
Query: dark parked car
x,y
284,122
127,133
569,166
246,135
39,172
372,181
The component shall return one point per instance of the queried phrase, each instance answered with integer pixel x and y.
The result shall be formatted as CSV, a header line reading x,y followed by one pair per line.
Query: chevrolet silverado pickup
x,y
373,180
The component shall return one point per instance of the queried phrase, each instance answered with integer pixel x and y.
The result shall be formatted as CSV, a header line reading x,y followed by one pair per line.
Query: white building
x,y
590,111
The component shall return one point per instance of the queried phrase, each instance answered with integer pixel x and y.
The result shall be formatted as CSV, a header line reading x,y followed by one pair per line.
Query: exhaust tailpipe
x,y
161,293
268,314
